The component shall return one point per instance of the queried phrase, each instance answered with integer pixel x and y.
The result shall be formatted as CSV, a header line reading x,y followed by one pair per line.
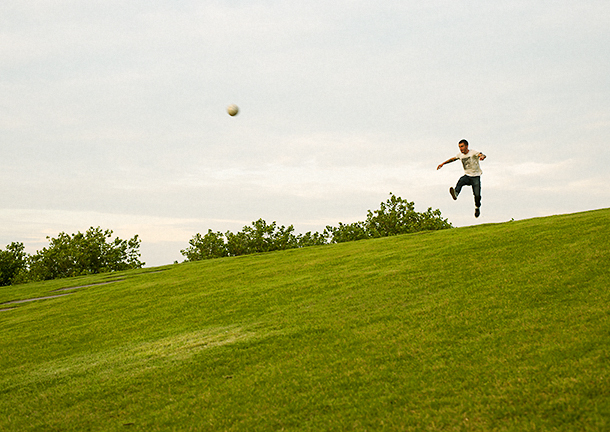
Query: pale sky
x,y
113,113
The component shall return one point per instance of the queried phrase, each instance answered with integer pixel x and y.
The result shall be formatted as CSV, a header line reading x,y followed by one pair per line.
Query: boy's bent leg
x,y
463,181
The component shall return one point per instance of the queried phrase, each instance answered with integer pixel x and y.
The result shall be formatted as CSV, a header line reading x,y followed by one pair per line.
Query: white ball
x,y
232,110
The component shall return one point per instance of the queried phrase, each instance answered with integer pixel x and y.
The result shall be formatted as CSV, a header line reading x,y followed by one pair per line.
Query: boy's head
x,y
463,145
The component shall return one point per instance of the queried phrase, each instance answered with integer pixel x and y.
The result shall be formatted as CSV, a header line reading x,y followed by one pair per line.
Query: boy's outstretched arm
x,y
453,159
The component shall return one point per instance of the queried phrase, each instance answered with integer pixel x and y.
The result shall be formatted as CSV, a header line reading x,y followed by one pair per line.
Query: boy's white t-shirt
x,y
470,162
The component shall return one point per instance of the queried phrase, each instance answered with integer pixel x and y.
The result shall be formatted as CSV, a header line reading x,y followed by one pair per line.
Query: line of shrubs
x,y
395,216
93,252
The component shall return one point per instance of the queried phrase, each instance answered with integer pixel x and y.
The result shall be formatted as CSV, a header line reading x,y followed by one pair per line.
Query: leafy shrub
x,y
84,253
256,238
398,216
13,261
211,245
311,239
347,232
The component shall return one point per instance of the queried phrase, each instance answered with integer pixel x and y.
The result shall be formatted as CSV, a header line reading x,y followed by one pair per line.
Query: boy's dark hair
x,y
463,142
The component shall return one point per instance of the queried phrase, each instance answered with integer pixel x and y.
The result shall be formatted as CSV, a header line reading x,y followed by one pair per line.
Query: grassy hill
x,y
493,327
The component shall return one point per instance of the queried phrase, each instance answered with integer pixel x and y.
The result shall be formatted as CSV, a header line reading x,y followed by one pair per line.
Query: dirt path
x,y
53,296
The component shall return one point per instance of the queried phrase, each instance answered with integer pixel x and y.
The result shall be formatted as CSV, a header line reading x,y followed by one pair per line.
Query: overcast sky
x,y
113,113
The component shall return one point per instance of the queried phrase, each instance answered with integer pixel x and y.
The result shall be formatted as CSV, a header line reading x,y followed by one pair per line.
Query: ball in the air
x,y
232,110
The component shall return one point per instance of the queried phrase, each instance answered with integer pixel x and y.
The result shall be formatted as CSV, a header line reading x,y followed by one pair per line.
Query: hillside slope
x,y
493,327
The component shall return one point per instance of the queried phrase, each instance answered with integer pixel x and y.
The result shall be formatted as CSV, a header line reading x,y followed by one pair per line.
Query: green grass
x,y
493,327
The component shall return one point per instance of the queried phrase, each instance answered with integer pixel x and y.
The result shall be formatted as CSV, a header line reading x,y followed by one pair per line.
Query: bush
x,y
259,237
347,232
80,254
13,261
311,239
211,245
398,216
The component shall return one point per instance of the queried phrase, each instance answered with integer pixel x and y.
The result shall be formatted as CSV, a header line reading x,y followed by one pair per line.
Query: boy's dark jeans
x,y
475,182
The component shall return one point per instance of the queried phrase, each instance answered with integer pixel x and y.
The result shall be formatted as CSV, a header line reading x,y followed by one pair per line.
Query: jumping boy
x,y
472,173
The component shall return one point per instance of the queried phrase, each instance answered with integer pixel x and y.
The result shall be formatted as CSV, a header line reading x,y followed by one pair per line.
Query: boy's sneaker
x,y
477,212
452,192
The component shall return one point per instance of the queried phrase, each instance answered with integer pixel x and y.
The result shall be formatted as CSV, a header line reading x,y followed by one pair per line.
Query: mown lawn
x,y
494,327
